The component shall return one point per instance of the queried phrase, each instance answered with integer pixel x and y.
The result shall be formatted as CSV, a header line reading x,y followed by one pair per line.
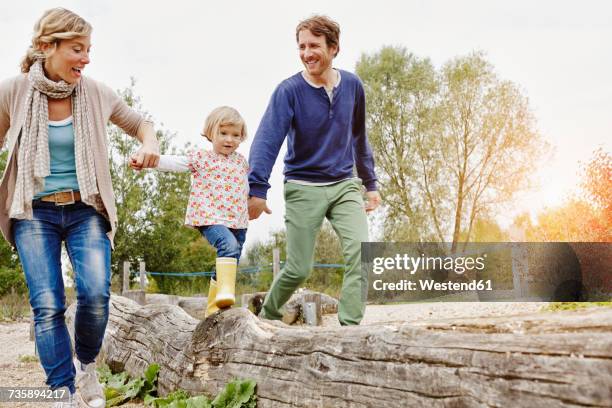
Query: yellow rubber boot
x,y
226,282
211,306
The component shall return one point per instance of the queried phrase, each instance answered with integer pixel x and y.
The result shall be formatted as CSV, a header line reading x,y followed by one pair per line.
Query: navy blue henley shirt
x,y
325,140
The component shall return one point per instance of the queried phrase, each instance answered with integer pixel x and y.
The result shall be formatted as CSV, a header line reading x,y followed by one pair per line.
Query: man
x,y
321,111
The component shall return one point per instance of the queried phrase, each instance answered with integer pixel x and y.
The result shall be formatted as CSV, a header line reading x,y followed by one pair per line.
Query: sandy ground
x,y
16,369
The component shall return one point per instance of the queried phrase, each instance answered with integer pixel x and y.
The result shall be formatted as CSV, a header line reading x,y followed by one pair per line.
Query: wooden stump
x,y
311,309
253,301
293,311
329,305
540,360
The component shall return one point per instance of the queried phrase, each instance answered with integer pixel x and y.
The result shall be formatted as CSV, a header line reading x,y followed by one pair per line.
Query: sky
x,y
189,57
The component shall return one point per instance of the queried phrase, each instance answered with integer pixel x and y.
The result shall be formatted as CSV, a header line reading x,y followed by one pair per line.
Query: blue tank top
x,y
61,151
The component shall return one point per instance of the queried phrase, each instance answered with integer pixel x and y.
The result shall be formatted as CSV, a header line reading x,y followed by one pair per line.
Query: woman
x,y
57,187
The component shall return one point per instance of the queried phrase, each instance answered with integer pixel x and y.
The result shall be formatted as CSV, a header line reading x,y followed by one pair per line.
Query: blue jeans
x,y
227,241
38,243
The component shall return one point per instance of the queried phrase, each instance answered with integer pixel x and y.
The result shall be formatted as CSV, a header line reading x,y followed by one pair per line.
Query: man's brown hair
x,y
321,25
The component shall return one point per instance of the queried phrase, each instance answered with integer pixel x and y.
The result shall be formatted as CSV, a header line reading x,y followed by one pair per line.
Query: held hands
x,y
256,207
373,200
145,157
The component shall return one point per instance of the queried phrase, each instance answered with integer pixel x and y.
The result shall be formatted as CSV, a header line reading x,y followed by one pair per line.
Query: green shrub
x,y
12,280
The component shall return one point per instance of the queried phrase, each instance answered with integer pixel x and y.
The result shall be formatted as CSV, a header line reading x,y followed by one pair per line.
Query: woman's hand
x,y
145,157
148,154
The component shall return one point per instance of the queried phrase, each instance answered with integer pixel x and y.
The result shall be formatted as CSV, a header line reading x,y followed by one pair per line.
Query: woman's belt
x,y
65,197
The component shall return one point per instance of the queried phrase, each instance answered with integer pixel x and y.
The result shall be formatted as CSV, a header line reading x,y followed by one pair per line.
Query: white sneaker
x,y
89,390
71,403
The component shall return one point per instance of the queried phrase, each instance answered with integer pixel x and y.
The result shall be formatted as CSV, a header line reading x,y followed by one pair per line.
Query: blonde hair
x,y
55,25
223,115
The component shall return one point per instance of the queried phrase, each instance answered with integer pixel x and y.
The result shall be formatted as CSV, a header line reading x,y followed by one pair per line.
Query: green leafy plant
x,y
120,388
179,399
237,394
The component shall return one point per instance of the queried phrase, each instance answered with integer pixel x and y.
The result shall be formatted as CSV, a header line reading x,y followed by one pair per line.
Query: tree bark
x,y
541,360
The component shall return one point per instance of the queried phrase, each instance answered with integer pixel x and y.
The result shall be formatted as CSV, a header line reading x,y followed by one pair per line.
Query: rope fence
x,y
274,266
246,270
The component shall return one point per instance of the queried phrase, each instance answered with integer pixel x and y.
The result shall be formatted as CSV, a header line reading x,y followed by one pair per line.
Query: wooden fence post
x,y
136,295
275,262
311,309
126,277
142,275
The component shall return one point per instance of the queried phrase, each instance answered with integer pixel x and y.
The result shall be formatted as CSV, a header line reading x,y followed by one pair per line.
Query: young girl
x,y
218,198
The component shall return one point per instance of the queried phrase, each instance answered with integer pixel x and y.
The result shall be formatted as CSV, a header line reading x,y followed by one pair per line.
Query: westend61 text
x,y
430,284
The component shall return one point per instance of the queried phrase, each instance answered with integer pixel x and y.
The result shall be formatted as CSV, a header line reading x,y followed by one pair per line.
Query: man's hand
x,y
256,207
373,200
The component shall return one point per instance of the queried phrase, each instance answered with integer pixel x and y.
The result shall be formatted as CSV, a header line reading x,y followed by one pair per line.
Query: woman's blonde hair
x,y
223,115
55,25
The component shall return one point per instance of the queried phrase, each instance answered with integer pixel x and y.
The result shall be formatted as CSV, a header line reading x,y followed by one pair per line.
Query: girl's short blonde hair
x,y
55,25
223,115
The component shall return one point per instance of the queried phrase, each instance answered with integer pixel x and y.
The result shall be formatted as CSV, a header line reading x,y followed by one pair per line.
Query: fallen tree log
x,y
543,360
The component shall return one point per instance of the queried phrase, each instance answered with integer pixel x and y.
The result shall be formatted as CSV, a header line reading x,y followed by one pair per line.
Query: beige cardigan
x,y
104,105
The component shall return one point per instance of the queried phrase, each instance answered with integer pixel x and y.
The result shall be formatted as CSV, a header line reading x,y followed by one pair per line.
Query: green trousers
x,y
306,207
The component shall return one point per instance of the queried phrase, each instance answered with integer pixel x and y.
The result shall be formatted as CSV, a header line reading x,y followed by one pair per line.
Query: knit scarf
x,y
33,160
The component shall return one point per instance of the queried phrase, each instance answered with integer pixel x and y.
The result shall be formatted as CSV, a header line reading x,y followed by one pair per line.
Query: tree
x,y
597,185
569,222
586,216
491,133
451,147
597,179
403,121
